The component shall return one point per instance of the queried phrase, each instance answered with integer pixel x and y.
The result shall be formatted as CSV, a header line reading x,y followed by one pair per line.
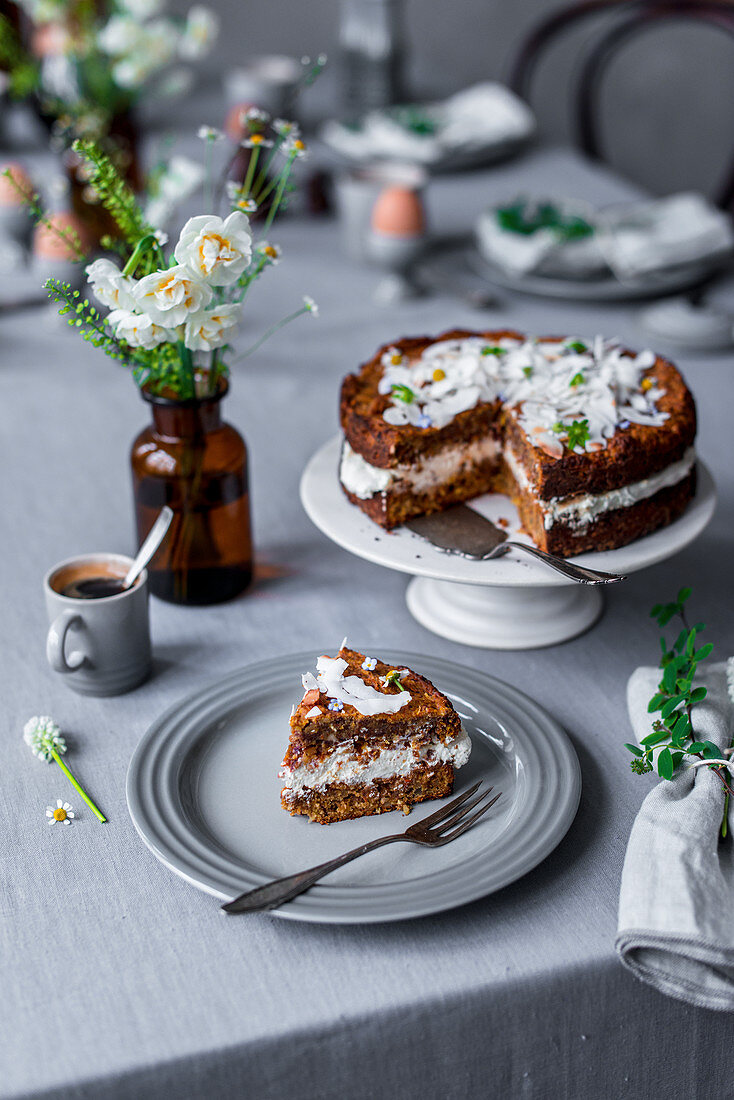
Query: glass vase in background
x,y
191,460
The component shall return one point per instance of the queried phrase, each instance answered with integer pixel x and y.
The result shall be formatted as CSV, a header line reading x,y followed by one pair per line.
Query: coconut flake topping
x,y
352,690
549,385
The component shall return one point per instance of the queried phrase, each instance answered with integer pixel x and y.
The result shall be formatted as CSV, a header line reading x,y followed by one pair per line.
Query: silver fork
x,y
438,829
579,573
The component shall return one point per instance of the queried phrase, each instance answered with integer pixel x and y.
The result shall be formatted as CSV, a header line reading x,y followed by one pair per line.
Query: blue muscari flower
x,y
424,421
623,424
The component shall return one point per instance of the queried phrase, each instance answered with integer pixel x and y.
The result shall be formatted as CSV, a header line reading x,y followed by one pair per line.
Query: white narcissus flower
x,y
218,251
202,27
140,331
208,329
119,36
170,297
110,286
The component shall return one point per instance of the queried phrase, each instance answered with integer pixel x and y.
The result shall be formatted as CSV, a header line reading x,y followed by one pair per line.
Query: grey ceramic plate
x,y
203,793
465,259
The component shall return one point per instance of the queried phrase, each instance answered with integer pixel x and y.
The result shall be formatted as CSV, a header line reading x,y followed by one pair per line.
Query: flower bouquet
x,y
171,315
86,65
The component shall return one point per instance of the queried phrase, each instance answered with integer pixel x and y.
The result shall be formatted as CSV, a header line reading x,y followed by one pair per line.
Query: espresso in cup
x,y
99,636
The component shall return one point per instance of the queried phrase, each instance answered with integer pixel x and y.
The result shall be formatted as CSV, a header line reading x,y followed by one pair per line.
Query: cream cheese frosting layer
x,y
364,480
578,510
343,765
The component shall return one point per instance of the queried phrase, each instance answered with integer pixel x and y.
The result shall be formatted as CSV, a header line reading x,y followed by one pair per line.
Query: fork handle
x,y
580,573
276,893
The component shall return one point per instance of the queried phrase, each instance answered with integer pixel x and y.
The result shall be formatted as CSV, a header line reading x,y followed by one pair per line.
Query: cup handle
x,y
56,641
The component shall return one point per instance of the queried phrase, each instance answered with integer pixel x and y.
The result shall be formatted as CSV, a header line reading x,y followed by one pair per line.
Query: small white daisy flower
x,y
256,141
286,128
255,115
161,237
209,133
369,664
310,305
43,736
295,147
270,252
62,812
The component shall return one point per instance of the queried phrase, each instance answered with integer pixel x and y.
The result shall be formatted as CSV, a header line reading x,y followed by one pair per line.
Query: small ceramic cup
x,y
102,646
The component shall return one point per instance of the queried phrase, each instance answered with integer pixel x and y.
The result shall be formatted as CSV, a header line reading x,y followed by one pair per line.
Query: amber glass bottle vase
x,y
191,460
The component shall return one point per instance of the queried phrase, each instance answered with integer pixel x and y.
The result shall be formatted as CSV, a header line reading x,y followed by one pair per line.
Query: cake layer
x,y
425,713
365,761
343,801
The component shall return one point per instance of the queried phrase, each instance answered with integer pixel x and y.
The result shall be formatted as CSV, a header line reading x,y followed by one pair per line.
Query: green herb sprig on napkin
x,y
673,743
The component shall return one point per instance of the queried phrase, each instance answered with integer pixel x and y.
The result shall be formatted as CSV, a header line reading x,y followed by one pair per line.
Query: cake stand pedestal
x,y
493,617
513,602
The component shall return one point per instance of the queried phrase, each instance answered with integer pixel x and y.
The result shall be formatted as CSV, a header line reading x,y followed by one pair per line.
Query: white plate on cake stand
x,y
513,602
204,794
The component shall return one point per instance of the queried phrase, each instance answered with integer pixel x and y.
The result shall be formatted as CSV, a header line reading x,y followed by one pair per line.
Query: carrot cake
x,y
367,738
592,442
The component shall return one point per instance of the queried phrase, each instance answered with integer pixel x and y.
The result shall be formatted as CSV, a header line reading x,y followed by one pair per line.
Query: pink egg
x,y
50,246
234,125
9,195
399,212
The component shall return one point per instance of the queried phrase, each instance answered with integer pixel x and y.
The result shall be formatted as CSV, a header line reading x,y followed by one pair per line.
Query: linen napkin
x,y
466,123
676,904
646,237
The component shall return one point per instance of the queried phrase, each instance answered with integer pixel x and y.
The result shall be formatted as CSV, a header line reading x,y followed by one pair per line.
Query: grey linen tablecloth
x,y
677,896
122,982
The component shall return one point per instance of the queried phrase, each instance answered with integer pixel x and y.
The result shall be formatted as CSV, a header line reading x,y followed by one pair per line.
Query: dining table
x,y
120,980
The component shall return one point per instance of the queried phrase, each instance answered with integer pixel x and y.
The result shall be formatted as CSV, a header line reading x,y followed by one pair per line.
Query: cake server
x,y
437,829
461,530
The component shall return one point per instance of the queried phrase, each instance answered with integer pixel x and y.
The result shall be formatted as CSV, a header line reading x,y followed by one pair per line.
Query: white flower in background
x,y
58,77
119,35
138,330
110,286
129,74
254,117
161,237
168,297
42,735
202,28
138,48
310,305
179,179
62,813
286,128
208,329
217,250
140,9
176,82
209,133
240,198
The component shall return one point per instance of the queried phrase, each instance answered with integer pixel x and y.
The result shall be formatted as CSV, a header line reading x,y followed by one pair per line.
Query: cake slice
x,y
367,738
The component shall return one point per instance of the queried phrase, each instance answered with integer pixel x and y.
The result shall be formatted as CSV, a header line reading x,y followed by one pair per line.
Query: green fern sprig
x,y
157,368
86,318
36,211
115,194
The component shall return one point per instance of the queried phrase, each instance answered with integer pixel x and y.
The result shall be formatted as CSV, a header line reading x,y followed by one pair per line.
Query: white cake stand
x,y
513,602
